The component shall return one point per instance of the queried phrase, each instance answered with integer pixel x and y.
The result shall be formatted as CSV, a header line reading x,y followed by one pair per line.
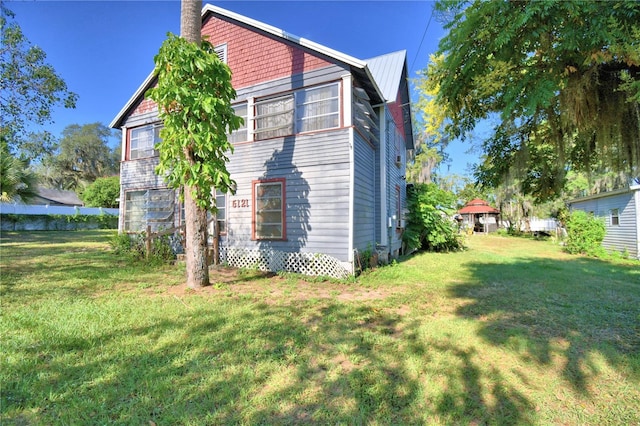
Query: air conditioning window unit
x,y
398,159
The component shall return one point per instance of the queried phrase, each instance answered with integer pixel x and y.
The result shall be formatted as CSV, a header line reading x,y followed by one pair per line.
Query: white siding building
x,y
621,213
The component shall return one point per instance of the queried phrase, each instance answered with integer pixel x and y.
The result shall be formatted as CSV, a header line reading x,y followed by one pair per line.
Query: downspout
x,y
637,200
123,156
383,180
347,108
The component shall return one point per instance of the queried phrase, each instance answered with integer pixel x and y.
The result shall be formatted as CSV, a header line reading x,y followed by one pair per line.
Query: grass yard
x,y
512,331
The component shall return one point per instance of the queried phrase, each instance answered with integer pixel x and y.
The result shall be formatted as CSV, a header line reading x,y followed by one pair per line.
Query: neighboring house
x,y
621,213
55,197
319,163
478,215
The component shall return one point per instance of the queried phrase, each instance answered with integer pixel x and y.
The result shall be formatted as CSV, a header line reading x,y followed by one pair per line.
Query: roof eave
x,y
347,59
116,123
303,42
630,188
269,29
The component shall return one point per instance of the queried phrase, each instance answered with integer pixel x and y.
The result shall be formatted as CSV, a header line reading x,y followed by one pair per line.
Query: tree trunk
x,y
196,242
190,20
195,217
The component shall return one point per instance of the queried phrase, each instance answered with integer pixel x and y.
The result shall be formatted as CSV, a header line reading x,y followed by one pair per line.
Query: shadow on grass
x,y
541,309
258,363
57,264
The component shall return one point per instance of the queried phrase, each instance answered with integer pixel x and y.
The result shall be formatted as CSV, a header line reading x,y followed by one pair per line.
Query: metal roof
x,y
58,196
387,71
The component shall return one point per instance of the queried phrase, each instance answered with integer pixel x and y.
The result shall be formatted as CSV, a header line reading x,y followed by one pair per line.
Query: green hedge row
x,y
56,222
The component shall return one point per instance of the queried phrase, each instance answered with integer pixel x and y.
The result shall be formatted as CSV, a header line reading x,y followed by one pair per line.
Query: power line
x,y
422,41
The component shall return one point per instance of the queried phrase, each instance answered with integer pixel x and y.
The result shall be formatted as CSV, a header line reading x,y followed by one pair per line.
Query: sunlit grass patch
x,y
508,332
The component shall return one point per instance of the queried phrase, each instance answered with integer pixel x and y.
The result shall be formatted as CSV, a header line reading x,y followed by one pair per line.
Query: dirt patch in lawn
x,y
273,288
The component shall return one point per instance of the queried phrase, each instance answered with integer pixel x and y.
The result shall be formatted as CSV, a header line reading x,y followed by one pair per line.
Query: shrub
x,y
133,245
104,192
429,226
584,234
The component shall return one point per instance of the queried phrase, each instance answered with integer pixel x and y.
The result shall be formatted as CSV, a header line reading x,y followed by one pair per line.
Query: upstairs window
x,y
305,110
318,108
274,117
221,52
240,135
142,141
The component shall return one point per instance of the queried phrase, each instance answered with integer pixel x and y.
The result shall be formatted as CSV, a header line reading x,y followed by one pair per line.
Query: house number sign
x,y
239,204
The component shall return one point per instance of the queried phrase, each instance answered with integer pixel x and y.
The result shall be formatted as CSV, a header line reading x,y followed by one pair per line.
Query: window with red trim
x,y
143,140
269,209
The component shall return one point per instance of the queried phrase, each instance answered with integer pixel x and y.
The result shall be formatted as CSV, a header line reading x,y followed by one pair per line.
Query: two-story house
x,y
319,163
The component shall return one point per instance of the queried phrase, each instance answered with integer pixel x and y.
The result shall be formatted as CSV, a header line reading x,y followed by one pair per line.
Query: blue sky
x,y
104,49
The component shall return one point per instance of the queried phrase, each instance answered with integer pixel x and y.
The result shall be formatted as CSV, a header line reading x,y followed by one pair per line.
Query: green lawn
x,y
511,331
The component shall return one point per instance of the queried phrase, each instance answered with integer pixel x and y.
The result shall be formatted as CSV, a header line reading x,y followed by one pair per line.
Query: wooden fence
x,y
213,255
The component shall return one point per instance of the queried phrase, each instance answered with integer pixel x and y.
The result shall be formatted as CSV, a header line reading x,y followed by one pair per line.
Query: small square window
x,y
143,140
615,217
318,108
221,52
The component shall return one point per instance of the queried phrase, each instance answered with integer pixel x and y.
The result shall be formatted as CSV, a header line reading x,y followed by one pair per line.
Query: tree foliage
x,y
17,182
80,157
194,94
103,192
84,154
429,130
562,77
429,224
29,87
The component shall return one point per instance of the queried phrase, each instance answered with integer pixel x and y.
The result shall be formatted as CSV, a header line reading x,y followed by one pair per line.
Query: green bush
x,y
55,222
429,226
104,192
585,234
133,245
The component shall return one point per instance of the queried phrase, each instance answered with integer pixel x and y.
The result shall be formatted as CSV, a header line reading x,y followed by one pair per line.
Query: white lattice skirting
x,y
316,264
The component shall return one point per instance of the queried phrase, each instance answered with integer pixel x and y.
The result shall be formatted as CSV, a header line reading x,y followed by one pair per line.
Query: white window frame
x,y
278,122
614,214
241,134
221,215
302,104
221,52
154,207
294,118
150,140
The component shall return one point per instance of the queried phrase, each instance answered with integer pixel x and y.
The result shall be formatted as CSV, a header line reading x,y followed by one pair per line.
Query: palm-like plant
x,y
17,182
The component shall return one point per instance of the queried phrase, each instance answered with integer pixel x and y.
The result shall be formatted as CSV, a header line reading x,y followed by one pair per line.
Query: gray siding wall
x,y
620,237
298,81
364,203
138,174
316,169
394,145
